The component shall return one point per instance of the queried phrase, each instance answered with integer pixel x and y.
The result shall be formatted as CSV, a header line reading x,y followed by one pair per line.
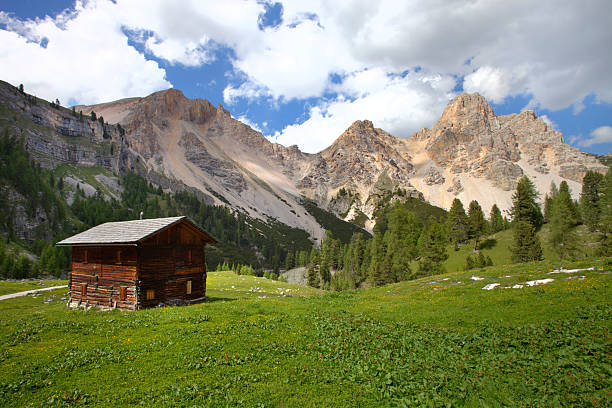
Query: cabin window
x,y
189,287
150,294
85,256
118,256
122,293
83,289
189,255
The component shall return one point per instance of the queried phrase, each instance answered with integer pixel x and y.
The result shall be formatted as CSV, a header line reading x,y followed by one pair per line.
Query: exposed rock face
x,y
433,176
486,154
357,158
201,145
223,170
469,153
60,135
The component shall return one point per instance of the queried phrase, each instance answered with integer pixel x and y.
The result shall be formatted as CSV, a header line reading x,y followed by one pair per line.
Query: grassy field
x,y
497,246
7,287
436,341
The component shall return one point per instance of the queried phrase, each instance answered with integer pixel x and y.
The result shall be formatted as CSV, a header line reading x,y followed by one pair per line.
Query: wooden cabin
x,y
138,264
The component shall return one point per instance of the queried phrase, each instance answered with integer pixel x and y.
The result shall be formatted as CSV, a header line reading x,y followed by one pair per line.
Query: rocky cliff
x,y
56,135
469,153
472,153
201,145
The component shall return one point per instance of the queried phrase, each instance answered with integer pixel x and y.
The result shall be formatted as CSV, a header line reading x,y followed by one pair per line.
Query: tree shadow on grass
x,y
487,243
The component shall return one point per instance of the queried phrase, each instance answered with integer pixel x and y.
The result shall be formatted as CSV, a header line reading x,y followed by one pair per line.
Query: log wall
x,y
163,268
99,274
168,261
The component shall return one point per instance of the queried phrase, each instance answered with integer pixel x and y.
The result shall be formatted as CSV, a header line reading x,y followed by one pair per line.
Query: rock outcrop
x,y
484,155
469,153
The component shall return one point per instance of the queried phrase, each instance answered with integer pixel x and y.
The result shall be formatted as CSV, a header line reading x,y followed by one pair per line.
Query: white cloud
x,y
248,122
400,105
87,58
553,125
601,135
495,84
550,51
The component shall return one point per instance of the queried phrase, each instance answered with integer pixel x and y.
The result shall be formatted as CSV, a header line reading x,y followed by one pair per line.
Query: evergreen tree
x,y
21,88
526,246
524,205
562,222
496,221
548,200
565,197
313,275
400,244
456,223
433,249
93,116
289,263
354,258
526,219
590,199
377,254
476,222
606,214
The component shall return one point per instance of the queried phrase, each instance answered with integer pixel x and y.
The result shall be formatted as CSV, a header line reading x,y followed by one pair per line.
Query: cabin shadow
x,y
487,243
211,299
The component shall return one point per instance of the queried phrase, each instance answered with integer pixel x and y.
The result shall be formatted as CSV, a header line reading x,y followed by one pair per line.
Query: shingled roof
x,y
125,232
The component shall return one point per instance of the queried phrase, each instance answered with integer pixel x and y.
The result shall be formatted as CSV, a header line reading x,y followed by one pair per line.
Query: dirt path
x,y
27,292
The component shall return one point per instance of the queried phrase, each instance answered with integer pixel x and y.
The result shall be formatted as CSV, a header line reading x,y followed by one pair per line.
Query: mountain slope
x,y
473,154
470,153
192,141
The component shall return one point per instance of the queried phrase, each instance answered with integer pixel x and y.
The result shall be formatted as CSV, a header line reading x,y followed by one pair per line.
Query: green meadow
x,y
436,341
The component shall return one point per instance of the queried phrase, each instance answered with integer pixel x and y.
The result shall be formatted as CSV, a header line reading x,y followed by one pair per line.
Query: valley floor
x,y
535,338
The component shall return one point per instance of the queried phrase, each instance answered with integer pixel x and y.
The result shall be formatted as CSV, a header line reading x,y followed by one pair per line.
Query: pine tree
x,y
590,199
496,221
289,264
526,219
562,236
313,275
565,197
433,249
476,222
548,199
377,256
526,246
456,223
400,243
606,215
524,205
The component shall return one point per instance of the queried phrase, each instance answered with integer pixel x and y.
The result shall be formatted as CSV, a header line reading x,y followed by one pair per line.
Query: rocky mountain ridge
x,y
176,142
469,153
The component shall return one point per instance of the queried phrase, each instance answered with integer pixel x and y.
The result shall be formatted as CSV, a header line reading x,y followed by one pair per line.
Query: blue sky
x,y
302,72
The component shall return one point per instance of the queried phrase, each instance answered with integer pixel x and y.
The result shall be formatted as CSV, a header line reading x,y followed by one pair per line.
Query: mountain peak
x,y
465,106
361,124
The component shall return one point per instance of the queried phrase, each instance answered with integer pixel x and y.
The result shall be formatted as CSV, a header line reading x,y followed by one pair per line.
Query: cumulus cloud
x,y
399,104
553,125
495,84
601,135
86,58
396,63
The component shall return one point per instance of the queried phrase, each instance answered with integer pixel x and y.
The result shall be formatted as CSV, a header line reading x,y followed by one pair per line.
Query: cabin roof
x,y
127,232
